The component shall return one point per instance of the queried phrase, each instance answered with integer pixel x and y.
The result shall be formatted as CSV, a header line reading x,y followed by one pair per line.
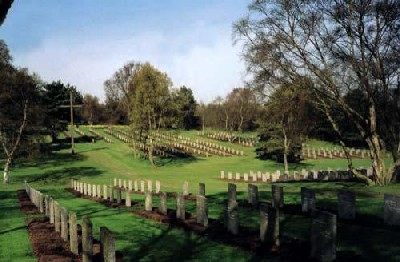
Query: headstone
x,y
222,174
51,210
307,199
89,189
346,204
105,191
323,236
87,239
130,185
111,195
231,192
94,191
125,185
107,245
246,177
73,233
163,203
252,196
141,186
202,210
149,185
128,202
232,217
119,182
115,182
202,189
158,186
57,216
119,195
185,188
391,215
148,203
64,224
229,175
263,221
136,185
270,224
277,196
237,176
180,206
99,191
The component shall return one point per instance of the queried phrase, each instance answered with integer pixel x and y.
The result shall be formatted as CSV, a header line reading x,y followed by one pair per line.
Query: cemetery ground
x,y
138,238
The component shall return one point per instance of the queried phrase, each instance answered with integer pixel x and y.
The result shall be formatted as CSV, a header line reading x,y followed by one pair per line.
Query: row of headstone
x,y
65,222
330,153
138,185
304,175
98,135
207,147
201,202
226,137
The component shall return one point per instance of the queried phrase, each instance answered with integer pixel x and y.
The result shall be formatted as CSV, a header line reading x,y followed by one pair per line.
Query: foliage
x,y
56,98
340,46
119,92
184,108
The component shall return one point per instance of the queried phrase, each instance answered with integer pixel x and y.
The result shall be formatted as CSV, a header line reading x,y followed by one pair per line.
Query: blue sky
x,y
83,42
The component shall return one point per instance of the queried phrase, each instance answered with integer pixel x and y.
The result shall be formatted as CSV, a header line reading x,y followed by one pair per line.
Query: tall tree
x,y
18,93
92,110
339,45
150,104
120,88
242,103
284,122
184,105
56,97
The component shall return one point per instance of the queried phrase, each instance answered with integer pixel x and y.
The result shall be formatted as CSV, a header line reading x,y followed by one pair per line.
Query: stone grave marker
x,y
73,233
346,204
277,196
180,206
202,189
185,188
323,236
158,186
141,186
163,203
119,195
202,210
87,239
148,202
231,192
252,196
307,199
391,215
107,245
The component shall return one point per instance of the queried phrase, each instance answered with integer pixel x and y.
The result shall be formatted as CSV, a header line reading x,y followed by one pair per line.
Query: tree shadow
x,y
177,160
62,174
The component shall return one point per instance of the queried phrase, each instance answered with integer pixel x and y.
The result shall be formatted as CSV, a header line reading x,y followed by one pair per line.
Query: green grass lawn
x,y
146,240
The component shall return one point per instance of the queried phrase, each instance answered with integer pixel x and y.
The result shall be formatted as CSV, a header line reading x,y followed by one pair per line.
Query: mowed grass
x,y
145,240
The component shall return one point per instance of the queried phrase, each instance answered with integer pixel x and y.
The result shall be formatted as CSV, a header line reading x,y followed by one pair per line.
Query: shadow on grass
x,y
53,159
65,173
177,160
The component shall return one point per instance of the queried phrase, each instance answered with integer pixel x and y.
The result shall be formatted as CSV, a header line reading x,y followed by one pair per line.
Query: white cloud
x,y
201,58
